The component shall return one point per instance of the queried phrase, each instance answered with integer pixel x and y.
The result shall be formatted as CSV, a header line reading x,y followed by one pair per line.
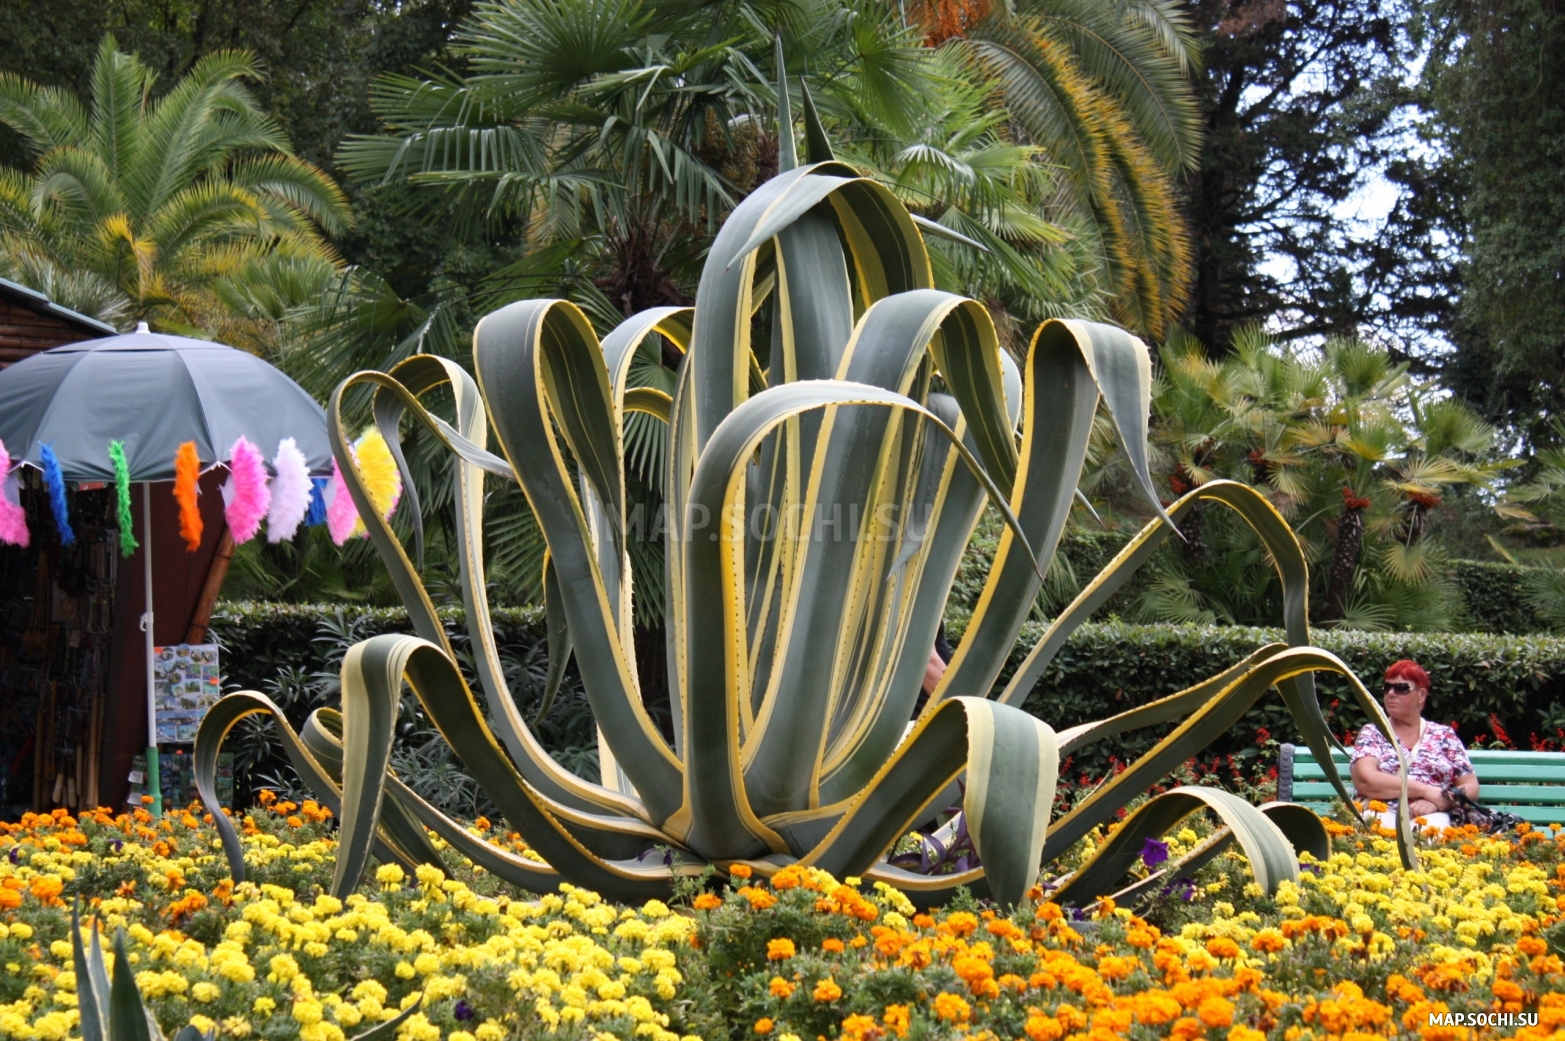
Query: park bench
x,y
1528,784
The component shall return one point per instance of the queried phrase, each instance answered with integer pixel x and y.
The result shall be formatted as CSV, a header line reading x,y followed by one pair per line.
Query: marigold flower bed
x,y
1358,949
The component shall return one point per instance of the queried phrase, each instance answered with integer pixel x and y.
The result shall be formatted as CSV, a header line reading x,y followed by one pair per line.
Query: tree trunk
x,y
1350,539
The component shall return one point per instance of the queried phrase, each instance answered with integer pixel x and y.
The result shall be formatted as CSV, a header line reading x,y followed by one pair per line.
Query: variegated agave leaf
x,y
820,495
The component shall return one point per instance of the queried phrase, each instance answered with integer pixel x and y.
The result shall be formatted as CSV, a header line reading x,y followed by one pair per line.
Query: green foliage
x,y
1109,667
1499,91
292,652
188,210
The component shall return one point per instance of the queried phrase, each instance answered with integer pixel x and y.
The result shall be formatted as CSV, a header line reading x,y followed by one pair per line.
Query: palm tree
x,y
1344,443
188,210
1102,89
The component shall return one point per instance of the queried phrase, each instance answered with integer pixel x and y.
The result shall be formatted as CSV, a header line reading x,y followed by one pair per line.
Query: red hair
x,y
1408,670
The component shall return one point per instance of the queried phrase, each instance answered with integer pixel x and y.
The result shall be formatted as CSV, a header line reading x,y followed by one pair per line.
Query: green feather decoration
x,y
122,493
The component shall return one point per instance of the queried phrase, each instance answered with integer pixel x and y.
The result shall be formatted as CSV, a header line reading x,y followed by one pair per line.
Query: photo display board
x,y
186,684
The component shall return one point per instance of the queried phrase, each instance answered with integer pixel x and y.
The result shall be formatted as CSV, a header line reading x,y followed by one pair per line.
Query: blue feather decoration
x,y
317,512
56,482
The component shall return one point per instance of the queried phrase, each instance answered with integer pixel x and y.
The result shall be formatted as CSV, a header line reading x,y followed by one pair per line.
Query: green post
x,y
154,782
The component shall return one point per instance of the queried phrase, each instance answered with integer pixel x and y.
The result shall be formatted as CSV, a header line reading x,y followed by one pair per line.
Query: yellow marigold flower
x,y
489,1030
780,949
951,1008
897,1019
263,1006
404,971
827,990
764,1025
205,992
390,875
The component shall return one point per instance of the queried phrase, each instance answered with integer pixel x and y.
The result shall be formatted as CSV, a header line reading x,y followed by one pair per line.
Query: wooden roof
x,y
30,322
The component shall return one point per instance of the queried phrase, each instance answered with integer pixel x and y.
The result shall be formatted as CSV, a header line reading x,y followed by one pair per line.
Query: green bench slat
x,y
1498,756
1536,794
1487,773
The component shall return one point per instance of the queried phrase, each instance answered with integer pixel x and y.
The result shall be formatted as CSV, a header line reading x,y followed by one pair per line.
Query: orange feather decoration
x,y
187,471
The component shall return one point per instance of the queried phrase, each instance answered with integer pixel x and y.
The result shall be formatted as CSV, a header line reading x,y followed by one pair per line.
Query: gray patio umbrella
x,y
152,392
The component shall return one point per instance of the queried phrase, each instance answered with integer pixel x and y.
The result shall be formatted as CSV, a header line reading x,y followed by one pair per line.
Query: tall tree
x,y
1499,88
1305,104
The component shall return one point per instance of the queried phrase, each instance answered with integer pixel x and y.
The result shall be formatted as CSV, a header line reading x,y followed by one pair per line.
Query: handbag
x,y
1465,811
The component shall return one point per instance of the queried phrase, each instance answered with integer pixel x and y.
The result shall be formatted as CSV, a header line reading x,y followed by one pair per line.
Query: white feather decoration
x,y
290,492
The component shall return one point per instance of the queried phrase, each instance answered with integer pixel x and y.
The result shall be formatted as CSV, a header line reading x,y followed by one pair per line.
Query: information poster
x,y
186,684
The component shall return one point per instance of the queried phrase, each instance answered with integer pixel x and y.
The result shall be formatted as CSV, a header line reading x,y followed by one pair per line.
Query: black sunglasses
x,y
1397,688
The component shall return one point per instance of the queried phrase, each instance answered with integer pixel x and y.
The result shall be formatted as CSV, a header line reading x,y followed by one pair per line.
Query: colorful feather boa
x,y
54,480
291,492
13,519
187,474
245,494
122,497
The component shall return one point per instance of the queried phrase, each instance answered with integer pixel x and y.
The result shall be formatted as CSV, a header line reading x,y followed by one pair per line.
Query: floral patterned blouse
x,y
1439,759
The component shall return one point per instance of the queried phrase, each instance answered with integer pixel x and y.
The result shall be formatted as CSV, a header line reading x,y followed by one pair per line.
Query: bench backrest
x,y
1529,784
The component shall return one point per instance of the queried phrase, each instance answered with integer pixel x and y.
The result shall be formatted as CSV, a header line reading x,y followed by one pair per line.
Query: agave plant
x,y
822,482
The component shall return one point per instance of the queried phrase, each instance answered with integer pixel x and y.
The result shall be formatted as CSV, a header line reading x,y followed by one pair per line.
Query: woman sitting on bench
x,y
1436,757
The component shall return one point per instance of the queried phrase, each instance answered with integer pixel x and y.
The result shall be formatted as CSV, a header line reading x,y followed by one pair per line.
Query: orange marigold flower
x,y
764,1025
1142,938
1156,1008
1222,947
1269,941
47,889
10,899
897,1018
1506,990
1050,912
1040,1027
781,988
1216,1012
1377,806
788,878
147,800
293,822
780,949
759,899
1011,981
952,1008
1244,1033
860,1028
1531,946
959,923
1186,1029
740,871
708,902
827,990
266,797
859,940
1115,968
833,945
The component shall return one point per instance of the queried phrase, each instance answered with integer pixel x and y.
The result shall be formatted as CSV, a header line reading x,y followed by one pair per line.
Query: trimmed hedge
x,y
1493,594
1105,669
1109,667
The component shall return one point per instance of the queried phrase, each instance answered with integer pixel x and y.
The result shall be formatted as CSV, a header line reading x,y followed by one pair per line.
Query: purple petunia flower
x,y
463,1011
1153,852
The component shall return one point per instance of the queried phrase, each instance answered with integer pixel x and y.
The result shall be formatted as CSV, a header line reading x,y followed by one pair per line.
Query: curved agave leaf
x,y
722,822
1012,766
1271,854
393,399
1287,557
1215,717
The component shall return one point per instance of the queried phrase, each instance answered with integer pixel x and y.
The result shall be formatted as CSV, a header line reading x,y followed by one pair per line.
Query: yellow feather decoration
x,y
378,470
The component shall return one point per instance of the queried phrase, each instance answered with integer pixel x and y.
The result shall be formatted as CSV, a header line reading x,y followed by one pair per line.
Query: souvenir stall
x,y
116,518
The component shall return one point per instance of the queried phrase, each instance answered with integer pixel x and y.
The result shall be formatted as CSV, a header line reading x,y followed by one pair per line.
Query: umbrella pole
x,y
154,782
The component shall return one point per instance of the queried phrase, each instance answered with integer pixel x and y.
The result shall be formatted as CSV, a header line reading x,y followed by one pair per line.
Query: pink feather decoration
x,y
13,519
341,514
246,493
290,492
